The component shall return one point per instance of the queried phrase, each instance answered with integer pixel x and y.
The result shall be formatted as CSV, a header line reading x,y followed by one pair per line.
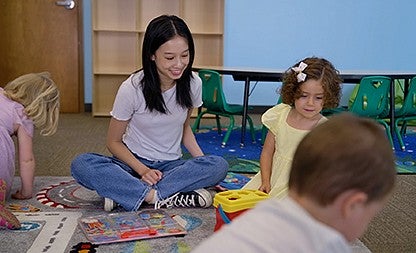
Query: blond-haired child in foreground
x,y
342,175
29,101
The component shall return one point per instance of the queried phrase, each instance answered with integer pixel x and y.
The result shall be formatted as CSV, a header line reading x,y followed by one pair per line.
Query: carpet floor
x,y
246,159
391,231
50,223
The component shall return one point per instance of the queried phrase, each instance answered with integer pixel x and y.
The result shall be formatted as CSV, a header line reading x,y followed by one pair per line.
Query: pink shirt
x,y
11,114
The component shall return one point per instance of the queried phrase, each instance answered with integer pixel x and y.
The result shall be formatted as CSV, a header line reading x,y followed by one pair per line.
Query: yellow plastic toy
x,y
236,200
232,203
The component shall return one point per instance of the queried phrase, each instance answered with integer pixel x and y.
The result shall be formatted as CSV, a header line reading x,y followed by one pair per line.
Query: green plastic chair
x,y
214,101
372,100
406,112
398,87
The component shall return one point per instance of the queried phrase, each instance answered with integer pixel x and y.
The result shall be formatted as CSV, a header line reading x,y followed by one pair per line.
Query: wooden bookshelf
x,y
118,30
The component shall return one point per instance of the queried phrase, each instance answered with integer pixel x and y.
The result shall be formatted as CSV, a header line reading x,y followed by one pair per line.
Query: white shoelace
x,y
183,200
186,201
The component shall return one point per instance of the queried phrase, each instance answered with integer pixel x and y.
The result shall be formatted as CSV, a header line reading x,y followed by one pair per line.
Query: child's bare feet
x,y
7,219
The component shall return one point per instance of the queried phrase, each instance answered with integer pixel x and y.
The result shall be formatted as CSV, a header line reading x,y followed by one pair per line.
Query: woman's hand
x,y
21,196
152,176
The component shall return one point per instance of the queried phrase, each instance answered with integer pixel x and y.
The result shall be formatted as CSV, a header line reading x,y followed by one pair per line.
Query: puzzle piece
x,y
23,208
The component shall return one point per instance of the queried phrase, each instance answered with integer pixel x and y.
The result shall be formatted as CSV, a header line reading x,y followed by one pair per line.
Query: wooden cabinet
x,y
118,30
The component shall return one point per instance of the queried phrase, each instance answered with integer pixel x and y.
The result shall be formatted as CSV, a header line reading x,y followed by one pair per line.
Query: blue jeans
x,y
113,179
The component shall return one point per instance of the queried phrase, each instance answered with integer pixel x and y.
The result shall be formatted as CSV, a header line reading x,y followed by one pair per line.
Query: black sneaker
x,y
197,198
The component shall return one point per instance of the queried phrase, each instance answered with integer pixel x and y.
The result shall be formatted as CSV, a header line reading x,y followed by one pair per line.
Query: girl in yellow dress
x,y
308,87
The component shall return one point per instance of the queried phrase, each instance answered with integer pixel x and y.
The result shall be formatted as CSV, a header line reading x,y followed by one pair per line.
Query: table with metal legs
x,y
275,75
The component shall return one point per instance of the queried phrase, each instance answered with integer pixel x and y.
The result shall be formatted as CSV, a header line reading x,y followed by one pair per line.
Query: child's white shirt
x,y
275,226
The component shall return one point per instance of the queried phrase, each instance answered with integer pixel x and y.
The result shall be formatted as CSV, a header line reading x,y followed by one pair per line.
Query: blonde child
x,y
29,101
308,87
343,173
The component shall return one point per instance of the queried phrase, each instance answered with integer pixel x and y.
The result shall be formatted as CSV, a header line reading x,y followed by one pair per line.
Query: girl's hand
x,y
19,195
152,176
265,188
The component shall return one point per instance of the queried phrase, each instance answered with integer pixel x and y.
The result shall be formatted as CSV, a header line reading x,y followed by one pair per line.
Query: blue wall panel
x,y
353,35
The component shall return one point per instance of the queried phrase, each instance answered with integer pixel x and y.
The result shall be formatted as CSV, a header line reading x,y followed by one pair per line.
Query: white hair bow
x,y
300,75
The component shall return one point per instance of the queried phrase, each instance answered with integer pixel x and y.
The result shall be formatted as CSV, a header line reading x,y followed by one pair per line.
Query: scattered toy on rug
x,y
84,247
7,219
26,208
130,226
230,204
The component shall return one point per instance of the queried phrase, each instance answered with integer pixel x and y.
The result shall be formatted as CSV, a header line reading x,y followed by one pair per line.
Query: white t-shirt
x,y
275,226
153,135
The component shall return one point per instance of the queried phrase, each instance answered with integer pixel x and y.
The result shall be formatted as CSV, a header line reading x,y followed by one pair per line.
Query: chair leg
x,y
217,119
403,129
405,121
399,133
388,132
195,126
199,112
229,129
253,135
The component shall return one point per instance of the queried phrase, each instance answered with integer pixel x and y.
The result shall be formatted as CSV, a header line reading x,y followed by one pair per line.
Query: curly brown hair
x,y
318,69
